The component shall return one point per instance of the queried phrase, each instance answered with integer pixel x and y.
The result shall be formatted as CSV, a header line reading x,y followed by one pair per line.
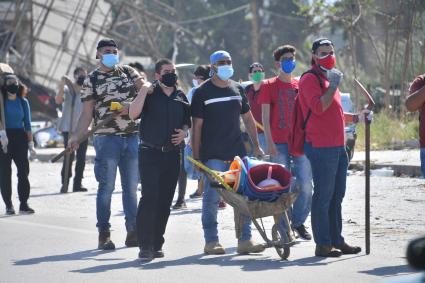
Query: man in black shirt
x,y
216,108
164,121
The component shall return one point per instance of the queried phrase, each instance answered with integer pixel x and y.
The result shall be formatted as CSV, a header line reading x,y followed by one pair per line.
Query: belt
x,y
163,148
124,135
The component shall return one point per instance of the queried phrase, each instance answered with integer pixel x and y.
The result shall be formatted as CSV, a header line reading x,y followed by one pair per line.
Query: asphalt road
x,y
58,243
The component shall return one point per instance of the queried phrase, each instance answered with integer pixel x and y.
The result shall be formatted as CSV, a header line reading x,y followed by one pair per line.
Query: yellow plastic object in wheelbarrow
x,y
214,174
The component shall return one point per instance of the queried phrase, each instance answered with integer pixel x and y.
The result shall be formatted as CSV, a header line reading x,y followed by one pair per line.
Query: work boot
x,y
158,254
249,246
77,189
10,210
302,232
214,248
327,251
179,205
146,254
196,194
131,240
346,249
25,209
105,242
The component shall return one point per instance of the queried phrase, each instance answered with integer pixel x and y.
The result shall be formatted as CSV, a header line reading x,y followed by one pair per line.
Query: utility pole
x,y
255,34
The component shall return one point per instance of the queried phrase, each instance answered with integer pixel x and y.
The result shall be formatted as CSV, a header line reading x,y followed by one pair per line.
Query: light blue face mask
x,y
110,60
225,72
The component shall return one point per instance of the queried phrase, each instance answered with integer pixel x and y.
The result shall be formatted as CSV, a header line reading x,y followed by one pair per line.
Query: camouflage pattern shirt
x,y
114,86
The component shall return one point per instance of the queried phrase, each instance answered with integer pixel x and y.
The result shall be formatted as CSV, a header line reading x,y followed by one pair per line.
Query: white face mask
x,y
195,83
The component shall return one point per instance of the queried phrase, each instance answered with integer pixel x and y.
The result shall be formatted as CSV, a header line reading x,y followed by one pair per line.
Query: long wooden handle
x,y
87,135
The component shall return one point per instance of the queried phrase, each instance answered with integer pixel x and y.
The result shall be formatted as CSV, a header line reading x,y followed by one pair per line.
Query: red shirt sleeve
x,y
311,91
417,84
265,95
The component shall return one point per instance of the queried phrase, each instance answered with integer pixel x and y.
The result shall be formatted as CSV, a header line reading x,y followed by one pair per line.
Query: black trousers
x,y
182,182
159,172
17,150
80,164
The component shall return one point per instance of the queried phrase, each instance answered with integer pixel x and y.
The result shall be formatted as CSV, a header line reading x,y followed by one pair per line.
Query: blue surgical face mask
x,y
110,60
225,72
195,83
287,66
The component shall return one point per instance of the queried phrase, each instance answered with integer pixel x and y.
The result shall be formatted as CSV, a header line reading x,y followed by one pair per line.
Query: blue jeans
x,y
300,167
210,205
423,161
329,165
114,152
262,141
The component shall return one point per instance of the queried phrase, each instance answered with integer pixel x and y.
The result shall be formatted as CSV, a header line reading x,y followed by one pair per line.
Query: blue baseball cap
x,y
218,55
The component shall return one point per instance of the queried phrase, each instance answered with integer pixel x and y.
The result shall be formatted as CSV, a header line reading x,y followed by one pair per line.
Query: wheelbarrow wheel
x,y
283,250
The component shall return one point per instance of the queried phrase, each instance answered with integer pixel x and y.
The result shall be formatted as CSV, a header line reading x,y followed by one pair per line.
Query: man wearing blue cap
x,y
216,108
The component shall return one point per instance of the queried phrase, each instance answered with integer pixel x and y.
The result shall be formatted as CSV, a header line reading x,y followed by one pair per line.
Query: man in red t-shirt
x,y
416,102
325,148
256,76
277,96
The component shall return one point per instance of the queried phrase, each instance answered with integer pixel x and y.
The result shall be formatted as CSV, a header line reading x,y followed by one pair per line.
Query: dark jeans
x,y
80,164
17,150
182,182
329,166
159,179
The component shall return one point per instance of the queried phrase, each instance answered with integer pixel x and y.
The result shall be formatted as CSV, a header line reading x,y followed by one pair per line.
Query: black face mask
x,y
169,79
80,80
13,88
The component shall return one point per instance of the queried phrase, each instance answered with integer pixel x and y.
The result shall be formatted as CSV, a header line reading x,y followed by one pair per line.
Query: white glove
x,y
4,140
334,77
366,113
31,149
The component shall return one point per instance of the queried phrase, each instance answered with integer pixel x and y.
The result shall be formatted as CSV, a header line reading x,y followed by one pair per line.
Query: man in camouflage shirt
x,y
116,143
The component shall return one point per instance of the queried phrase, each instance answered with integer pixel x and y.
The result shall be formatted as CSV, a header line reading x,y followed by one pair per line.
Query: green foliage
x,y
388,131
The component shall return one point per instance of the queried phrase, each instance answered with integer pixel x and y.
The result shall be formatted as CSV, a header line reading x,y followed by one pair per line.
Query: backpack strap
x,y
317,75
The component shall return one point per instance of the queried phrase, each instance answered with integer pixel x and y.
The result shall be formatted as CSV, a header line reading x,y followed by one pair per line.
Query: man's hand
x,y
334,76
147,88
177,138
66,80
31,149
124,109
272,150
4,140
73,144
258,152
366,114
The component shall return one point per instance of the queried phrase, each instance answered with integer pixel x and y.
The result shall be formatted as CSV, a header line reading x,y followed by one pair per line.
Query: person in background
x,y
256,76
70,98
18,139
416,102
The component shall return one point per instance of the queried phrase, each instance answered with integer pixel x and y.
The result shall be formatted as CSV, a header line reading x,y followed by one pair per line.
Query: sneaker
x,y
346,249
131,240
302,232
327,251
249,246
79,189
195,195
158,254
25,209
214,248
105,242
10,210
179,205
146,255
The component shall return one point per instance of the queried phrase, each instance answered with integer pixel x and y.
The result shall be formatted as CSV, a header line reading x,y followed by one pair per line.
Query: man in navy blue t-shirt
x,y
216,108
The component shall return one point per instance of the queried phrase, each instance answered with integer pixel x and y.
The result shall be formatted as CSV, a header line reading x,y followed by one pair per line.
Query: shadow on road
x,y
260,262
389,270
81,255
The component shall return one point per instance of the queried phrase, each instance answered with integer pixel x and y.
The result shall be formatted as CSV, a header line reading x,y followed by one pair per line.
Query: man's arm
x,y
271,147
59,98
137,104
251,128
196,136
83,123
415,100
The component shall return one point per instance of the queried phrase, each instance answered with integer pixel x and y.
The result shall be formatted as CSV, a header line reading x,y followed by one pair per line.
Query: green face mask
x,y
257,77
